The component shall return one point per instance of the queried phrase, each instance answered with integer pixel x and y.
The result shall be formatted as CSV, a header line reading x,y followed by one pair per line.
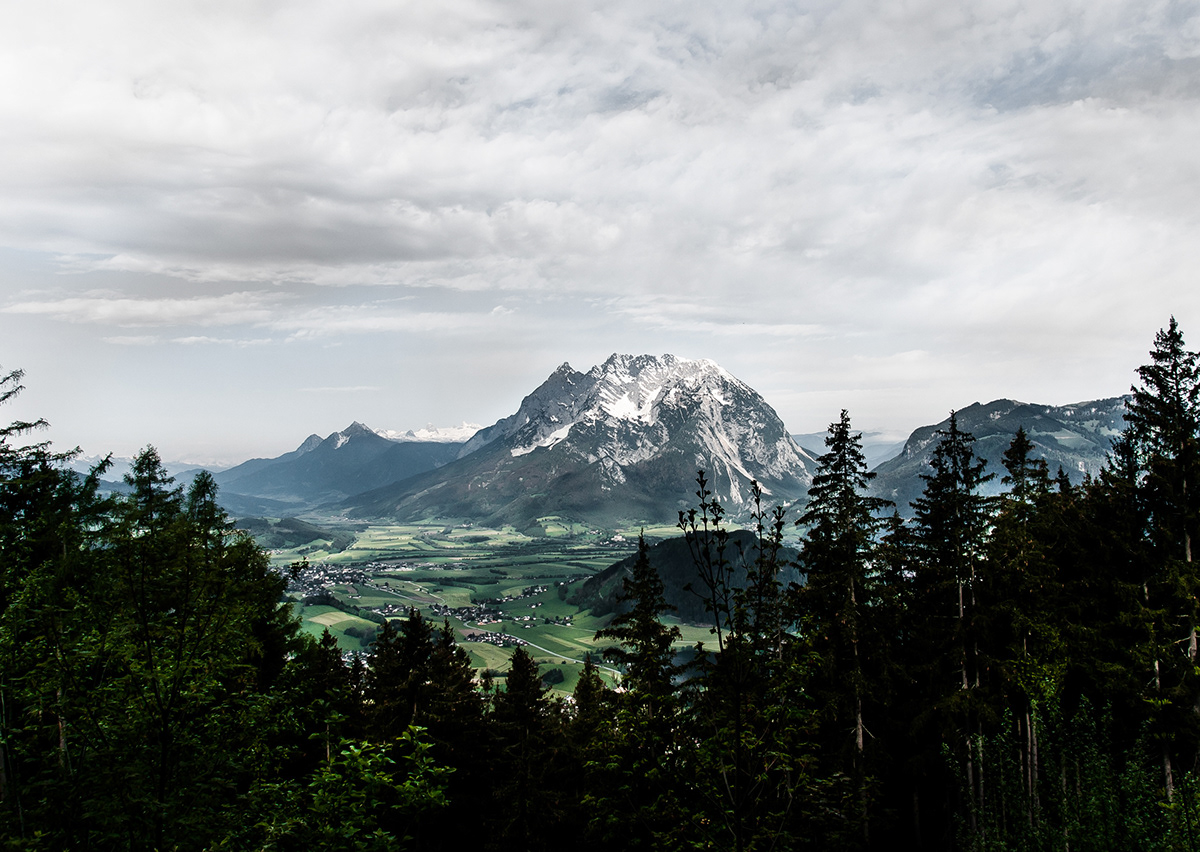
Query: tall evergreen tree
x,y
841,522
1164,431
526,730
644,654
835,604
951,525
143,645
640,777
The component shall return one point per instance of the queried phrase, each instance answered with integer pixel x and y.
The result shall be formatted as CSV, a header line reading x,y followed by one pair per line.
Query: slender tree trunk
x,y
858,727
1187,536
1168,773
979,745
962,658
62,732
1033,738
916,814
971,785
1029,770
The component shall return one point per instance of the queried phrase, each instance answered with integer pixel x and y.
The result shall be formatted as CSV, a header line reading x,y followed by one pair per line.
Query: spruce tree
x,y
526,731
636,796
840,525
951,530
645,651
1164,431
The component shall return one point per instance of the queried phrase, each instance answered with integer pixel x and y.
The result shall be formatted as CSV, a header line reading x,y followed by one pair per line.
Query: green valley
x,y
498,588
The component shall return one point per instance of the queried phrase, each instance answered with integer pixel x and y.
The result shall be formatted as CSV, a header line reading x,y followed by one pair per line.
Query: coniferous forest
x,y
1015,672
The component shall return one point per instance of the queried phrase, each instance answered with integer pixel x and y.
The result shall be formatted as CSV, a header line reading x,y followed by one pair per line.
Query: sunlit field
x,y
523,580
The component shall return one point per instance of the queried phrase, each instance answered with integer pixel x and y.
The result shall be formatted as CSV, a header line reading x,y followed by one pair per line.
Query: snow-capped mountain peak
x,y
634,408
431,433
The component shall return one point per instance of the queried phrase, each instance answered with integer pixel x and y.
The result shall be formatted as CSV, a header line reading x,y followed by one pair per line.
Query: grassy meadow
x,y
389,568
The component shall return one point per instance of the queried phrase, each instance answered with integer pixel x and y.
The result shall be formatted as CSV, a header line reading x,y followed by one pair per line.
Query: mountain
x,y
433,434
323,470
877,447
672,559
1076,438
621,442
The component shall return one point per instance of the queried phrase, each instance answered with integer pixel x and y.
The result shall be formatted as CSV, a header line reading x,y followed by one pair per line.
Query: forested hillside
x,y
1013,671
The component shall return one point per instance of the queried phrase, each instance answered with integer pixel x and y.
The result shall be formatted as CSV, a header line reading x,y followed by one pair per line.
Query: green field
x,y
390,568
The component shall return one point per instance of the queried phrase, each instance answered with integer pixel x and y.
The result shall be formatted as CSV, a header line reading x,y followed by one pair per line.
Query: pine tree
x,y
636,789
1022,650
645,653
1164,431
951,530
526,731
841,523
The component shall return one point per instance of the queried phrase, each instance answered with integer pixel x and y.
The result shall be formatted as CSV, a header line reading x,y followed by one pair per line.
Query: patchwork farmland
x,y
497,588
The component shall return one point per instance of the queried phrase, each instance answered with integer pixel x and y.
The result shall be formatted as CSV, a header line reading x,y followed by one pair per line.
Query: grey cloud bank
x,y
210,212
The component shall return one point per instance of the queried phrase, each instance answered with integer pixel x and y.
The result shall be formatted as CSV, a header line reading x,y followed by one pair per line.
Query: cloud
x,y
354,320
346,389
382,145
116,310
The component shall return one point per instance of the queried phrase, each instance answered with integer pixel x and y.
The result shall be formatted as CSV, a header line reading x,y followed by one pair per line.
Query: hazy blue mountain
x,y
621,442
878,447
323,470
1076,438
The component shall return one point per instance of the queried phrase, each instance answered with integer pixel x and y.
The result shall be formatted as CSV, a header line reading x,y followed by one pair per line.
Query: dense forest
x,y
1014,672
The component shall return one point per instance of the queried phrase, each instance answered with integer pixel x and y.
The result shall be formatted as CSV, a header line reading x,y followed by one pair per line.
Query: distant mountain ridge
x,y
433,434
1075,437
324,470
878,447
622,441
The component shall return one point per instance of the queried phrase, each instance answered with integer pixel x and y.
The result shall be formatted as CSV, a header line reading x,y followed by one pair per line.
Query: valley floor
x,y
498,588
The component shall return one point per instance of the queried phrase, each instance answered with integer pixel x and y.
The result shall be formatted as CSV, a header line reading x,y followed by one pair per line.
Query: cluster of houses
x,y
527,592
476,613
500,640
385,567
319,575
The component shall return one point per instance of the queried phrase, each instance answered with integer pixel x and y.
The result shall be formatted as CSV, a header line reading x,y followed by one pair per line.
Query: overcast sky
x,y
227,225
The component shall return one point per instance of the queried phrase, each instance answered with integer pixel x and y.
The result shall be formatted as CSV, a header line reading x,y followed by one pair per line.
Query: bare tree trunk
x,y
962,659
971,784
858,726
62,733
1029,770
916,817
979,744
1168,773
1034,774
1187,536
